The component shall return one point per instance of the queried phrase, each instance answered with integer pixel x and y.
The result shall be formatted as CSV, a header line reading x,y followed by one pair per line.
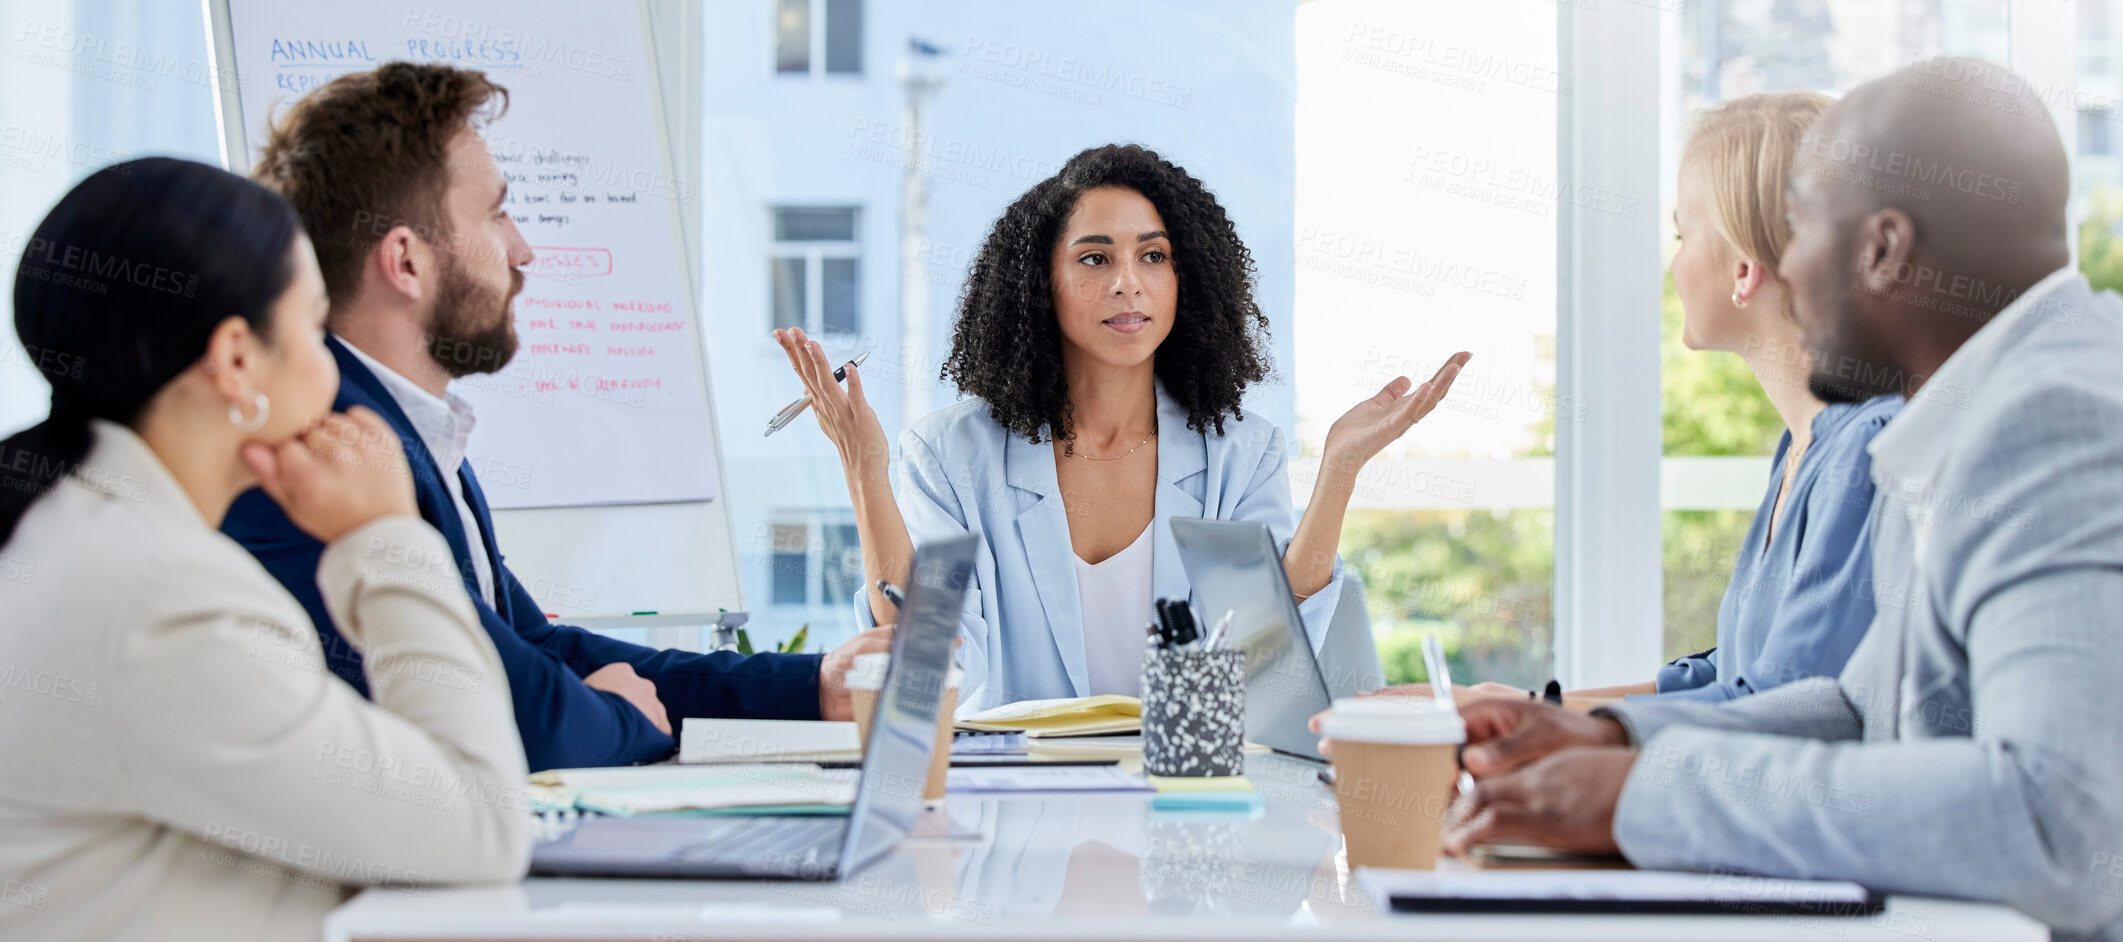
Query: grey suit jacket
x,y
1973,746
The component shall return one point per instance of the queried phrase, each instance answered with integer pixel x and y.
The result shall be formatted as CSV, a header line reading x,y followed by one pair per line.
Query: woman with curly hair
x,y
1106,336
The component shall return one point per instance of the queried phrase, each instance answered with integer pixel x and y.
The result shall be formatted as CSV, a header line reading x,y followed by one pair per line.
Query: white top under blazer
x,y
1116,599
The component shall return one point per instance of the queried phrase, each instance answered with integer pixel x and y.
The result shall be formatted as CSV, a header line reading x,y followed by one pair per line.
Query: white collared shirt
x,y
445,427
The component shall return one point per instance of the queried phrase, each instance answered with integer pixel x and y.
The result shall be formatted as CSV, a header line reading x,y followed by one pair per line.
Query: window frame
x,y
2043,39
813,521
1609,578
814,253
816,25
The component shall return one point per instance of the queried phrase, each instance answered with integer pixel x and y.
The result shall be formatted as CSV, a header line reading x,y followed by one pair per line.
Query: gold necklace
x,y
1073,453
1794,456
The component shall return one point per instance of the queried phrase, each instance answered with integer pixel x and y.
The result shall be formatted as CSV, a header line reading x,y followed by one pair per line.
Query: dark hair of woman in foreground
x,y
118,291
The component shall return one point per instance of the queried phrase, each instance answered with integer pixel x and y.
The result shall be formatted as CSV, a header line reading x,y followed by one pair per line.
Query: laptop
x,y
1235,567
888,794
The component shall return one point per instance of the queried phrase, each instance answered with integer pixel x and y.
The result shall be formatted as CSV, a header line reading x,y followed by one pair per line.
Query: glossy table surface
x,y
1101,866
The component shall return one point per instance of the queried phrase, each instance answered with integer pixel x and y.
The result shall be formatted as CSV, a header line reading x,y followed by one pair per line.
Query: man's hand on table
x,y
1511,729
833,700
619,678
1503,735
1564,801
1543,775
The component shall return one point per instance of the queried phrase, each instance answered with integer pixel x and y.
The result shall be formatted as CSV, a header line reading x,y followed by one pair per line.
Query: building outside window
x,y
818,37
814,560
815,267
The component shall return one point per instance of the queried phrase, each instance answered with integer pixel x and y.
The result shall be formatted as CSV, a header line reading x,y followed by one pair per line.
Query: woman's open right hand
x,y
338,475
865,456
843,414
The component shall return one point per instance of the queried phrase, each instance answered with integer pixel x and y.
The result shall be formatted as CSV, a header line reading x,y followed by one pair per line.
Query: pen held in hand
x,y
789,412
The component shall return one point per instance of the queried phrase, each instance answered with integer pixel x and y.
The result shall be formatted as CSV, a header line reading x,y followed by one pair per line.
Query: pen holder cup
x,y
1194,712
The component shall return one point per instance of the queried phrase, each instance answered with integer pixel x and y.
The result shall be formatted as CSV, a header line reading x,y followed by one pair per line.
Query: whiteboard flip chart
x,y
606,399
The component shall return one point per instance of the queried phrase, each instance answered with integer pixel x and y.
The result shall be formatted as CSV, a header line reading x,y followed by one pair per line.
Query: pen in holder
x,y
1194,712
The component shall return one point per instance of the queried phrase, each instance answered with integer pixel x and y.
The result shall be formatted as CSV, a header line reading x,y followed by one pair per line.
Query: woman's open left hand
x,y
1371,425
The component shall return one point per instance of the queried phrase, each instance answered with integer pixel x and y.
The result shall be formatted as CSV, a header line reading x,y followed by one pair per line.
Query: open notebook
x,y
1070,716
753,789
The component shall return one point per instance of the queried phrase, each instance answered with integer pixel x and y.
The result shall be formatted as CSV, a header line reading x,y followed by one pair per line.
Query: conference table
x,y
1094,866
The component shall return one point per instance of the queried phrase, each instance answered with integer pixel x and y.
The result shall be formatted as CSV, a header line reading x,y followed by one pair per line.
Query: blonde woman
x,y
1801,595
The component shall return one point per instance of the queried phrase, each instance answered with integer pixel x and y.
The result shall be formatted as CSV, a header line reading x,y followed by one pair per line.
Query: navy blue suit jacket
x,y
564,723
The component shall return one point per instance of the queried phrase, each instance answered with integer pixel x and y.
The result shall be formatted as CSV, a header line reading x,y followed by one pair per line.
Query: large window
x,y
2097,174
1426,217
73,107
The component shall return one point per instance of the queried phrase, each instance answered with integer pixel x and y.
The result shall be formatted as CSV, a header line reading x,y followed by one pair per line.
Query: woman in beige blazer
x,y
178,763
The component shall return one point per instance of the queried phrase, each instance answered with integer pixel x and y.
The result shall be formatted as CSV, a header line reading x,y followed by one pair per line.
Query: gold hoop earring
x,y
254,423
1738,301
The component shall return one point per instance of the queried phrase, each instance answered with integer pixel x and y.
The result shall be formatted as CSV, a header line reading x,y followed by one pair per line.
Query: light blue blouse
x,y
1798,606
1022,623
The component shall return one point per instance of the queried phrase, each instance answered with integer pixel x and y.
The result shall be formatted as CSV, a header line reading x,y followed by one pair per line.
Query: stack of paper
x,y
1069,716
715,740
968,743
1037,778
1123,748
549,793
790,788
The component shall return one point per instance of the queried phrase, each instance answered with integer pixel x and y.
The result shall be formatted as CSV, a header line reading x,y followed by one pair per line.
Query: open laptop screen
x,y
1234,567
896,759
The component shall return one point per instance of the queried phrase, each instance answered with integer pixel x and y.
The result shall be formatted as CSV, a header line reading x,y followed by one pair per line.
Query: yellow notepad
x,y
1070,716
1125,748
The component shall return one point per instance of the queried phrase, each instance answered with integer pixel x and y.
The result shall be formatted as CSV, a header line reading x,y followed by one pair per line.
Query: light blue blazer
x,y
960,472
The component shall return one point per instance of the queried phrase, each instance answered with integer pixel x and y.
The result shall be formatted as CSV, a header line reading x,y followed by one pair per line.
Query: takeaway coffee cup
x,y
867,678
1395,762
864,680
